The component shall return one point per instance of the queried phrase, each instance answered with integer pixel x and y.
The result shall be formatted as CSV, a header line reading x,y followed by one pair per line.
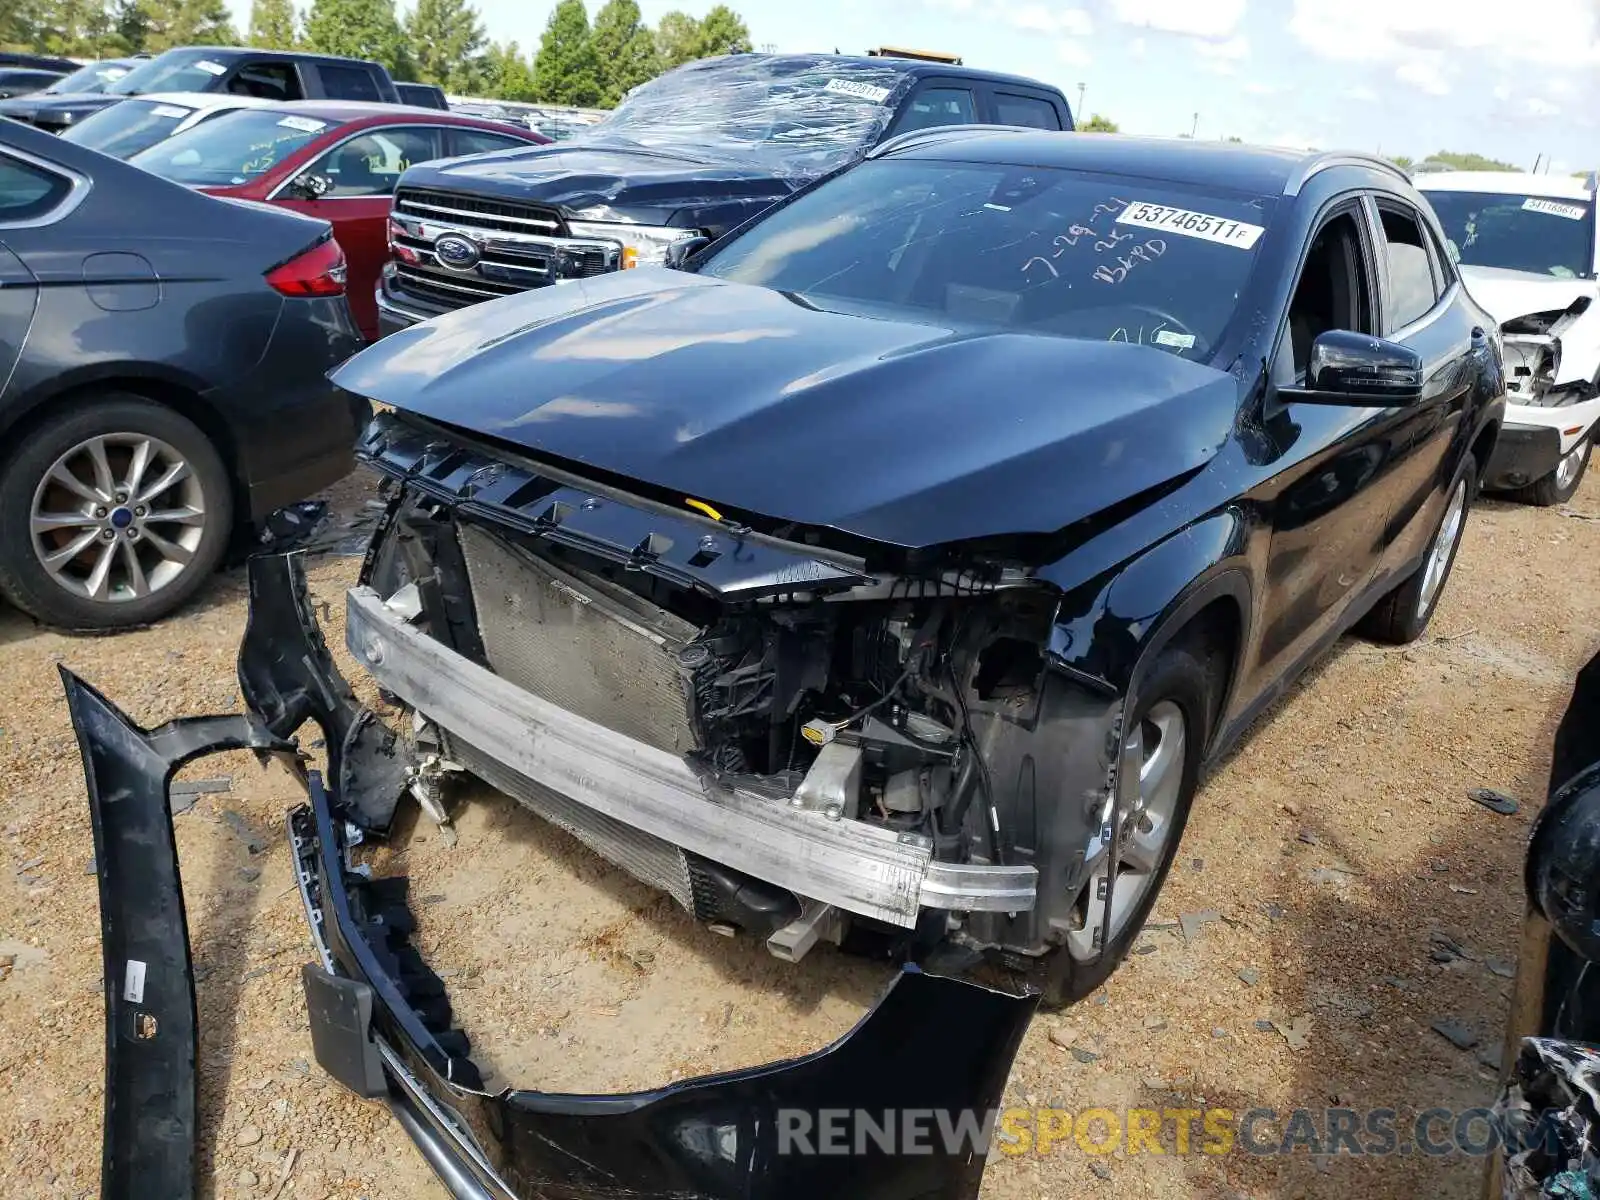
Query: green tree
x,y
677,39
131,26
172,23
359,29
75,27
1099,124
1404,161
1470,162
20,25
624,50
722,31
447,44
272,24
507,73
564,71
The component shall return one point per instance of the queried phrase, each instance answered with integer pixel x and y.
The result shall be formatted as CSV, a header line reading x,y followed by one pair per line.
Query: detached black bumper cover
x,y
895,1110
1522,455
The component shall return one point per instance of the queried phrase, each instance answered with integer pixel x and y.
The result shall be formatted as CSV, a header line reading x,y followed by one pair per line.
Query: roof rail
x,y
941,133
952,60
1340,159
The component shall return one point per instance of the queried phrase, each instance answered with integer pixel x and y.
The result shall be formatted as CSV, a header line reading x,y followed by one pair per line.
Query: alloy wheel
x,y
117,517
1126,866
1437,564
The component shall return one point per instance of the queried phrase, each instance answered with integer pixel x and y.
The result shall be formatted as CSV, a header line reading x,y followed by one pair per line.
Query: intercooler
x,y
599,652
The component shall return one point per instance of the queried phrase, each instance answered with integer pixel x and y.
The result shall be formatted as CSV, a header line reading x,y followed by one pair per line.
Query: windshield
x,y
1029,249
174,71
124,129
232,149
784,116
93,78
1546,236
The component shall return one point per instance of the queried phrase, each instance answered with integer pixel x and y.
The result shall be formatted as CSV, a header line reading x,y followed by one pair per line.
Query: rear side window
x,y
1011,109
371,164
266,81
28,192
1412,290
934,106
349,83
475,141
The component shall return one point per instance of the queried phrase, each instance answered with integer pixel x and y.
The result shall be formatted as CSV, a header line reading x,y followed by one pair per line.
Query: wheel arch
x,y
1483,448
172,390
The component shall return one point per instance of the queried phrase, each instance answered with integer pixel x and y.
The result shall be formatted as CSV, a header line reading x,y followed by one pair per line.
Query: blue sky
x,y
1404,76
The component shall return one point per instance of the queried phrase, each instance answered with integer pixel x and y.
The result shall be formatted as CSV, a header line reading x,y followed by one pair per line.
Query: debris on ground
x,y
1500,967
241,829
200,787
1296,1030
1457,1034
1494,801
1248,976
1192,923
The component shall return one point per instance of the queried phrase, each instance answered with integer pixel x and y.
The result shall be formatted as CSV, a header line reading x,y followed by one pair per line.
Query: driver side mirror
x,y
1360,370
310,186
683,251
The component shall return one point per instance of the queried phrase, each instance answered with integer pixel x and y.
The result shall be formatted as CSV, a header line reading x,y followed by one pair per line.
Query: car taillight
x,y
319,271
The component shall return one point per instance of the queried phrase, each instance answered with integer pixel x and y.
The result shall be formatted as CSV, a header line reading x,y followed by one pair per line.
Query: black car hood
x,y
56,109
905,434
599,181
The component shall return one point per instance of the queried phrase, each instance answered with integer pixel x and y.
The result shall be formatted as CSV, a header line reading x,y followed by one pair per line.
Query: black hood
x,y
642,185
57,110
906,434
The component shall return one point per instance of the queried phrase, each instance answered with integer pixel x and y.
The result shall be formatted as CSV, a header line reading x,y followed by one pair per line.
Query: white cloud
x,y
1074,54
1071,22
1537,107
1232,50
1212,19
1424,74
1139,47
1361,93
1561,31
1256,88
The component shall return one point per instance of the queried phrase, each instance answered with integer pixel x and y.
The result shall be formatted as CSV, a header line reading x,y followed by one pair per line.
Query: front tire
x,y
113,513
1175,710
1561,484
1401,617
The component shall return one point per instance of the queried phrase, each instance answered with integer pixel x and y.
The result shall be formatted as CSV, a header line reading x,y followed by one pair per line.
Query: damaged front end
x,y
1532,350
925,1069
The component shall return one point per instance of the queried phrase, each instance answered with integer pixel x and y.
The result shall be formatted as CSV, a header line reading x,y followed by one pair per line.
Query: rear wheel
x,y
1175,710
112,513
1561,484
1401,617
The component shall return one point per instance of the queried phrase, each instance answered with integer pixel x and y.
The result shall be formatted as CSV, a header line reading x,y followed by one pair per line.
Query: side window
x,y
476,141
266,81
371,163
1334,291
349,83
1012,109
936,105
1411,283
27,191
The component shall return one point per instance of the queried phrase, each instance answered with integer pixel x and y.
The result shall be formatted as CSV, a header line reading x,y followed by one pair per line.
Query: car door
x,y
29,193
1420,308
936,101
265,79
1324,507
360,173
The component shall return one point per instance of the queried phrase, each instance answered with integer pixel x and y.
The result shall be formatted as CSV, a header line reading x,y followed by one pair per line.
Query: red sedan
x,y
329,159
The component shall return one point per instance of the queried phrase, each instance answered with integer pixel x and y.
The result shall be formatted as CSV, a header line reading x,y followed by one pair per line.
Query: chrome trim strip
x,y
860,868
430,281
498,240
386,305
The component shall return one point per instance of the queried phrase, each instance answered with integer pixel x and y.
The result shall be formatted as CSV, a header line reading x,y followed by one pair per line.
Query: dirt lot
x,y
1359,898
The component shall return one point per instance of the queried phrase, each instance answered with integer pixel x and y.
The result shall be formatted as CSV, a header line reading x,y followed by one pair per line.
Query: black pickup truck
x,y
269,74
686,157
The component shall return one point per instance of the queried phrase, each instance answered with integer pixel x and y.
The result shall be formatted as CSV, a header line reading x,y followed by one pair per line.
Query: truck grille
x,y
521,246
599,652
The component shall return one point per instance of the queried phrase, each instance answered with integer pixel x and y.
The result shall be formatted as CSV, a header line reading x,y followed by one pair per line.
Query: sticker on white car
x,y
303,124
1554,208
171,111
1222,230
211,68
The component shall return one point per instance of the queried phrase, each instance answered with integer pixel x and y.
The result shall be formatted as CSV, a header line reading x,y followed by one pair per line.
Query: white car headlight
x,y
641,244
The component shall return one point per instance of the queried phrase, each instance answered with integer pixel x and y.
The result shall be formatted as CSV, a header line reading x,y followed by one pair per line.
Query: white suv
x,y
1526,247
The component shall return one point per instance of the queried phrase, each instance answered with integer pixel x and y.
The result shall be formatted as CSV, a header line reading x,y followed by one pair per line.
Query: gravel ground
x,y
1358,898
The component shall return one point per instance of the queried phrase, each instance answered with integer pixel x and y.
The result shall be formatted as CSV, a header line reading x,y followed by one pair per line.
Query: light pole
x,y
1081,89
1194,128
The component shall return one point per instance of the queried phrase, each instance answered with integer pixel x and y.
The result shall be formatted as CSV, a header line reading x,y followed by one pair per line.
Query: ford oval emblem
x,y
457,252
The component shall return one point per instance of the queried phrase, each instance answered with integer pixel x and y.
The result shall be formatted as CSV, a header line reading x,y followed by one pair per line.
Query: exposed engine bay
x,y
1532,348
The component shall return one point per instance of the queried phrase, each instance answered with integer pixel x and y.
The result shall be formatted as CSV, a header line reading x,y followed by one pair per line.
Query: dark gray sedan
x,y
162,363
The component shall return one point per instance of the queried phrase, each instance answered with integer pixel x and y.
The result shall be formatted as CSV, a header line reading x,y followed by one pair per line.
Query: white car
x,y
139,122
1527,251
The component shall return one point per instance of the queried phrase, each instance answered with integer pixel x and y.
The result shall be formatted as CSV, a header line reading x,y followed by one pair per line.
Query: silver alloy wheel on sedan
x,y
1161,743
1571,464
1437,564
117,517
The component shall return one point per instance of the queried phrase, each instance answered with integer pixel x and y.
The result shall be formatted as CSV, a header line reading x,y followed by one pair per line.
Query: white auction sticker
x,y
303,124
211,68
1222,230
861,91
1171,337
133,982
1554,208
171,111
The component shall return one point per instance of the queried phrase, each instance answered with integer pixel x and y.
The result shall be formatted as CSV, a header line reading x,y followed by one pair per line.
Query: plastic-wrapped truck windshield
x,y
787,116
1030,249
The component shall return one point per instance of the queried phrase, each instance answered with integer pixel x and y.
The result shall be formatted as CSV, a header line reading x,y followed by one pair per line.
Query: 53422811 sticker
x,y
861,91
1225,231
